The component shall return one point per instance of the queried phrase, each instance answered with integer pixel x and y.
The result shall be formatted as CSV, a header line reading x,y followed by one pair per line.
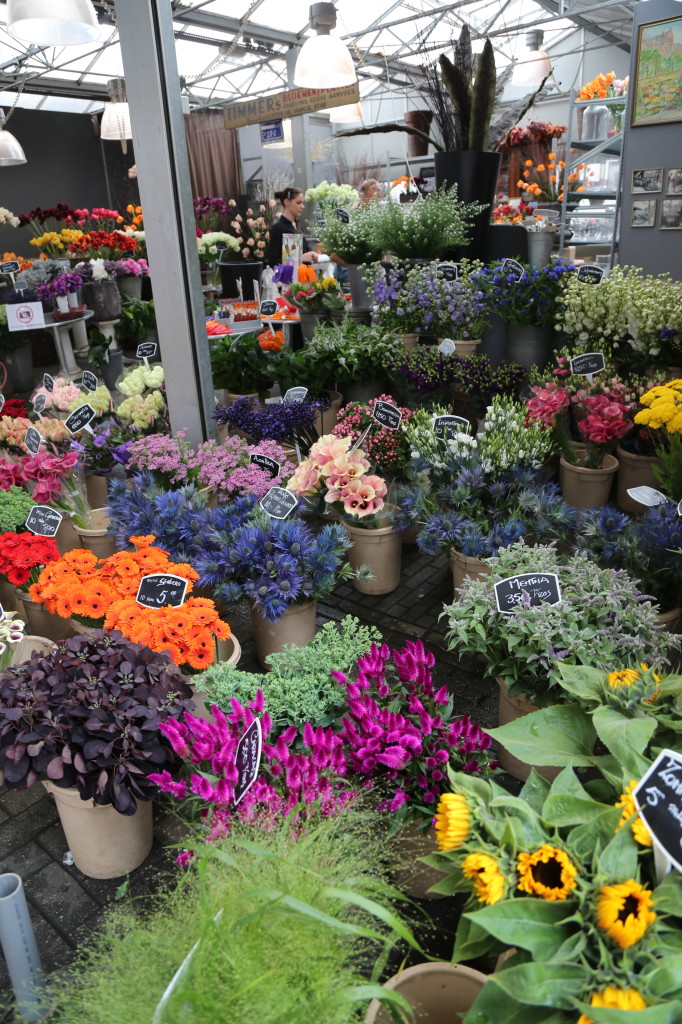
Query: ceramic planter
x,y
228,652
463,566
130,285
410,340
296,626
96,538
438,993
103,298
104,843
475,174
670,621
43,623
62,303
587,488
97,489
421,120
528,345
326,421
8,597
511,709
412,876
30,645
634,471
466,346
381,550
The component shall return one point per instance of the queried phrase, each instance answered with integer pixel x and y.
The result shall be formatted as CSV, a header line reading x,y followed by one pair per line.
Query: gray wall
x,y
650,146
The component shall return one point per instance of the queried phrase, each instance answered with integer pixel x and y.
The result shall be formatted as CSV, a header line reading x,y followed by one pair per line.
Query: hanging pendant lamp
x,y
11,152
53,22
350,113
535,65
115,125
324,61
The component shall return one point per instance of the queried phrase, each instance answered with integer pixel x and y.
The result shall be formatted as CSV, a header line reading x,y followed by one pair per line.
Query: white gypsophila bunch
x,y
654,313
508,442
7,217
330,192
207,245
595,316
437,452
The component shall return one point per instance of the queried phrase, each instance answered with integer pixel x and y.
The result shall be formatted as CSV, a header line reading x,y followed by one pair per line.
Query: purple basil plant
x,y
89,715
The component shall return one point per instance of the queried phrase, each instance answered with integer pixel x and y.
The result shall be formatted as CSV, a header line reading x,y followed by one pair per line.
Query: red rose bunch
x,y
23,557
14,407
605,421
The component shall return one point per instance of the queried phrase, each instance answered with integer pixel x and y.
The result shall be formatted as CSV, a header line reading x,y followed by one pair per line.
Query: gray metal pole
x,y
153,87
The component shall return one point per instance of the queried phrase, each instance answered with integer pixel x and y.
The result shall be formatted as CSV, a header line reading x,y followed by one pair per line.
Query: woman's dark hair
x,y
288,193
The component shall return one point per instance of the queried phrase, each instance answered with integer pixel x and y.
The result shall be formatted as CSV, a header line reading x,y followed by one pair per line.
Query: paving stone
x,y
14,801
19,830
60,899
26,860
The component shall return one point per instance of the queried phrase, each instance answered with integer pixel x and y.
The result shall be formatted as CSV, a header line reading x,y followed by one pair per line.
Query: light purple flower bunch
x,y
226,468
61,285
131,267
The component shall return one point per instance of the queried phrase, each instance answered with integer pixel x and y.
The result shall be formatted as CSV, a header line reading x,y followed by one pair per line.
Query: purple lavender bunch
x,y
286,422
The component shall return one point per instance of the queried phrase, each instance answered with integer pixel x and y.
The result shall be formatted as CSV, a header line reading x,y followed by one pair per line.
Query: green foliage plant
x,y
428,228
15,505
241,366
136,319
360,239
356,351
299,687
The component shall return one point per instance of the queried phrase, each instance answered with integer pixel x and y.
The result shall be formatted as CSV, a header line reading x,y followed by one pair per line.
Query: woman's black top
x,y
282,226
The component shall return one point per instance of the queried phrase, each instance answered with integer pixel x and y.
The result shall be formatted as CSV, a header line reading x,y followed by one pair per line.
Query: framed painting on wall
x,y
657,92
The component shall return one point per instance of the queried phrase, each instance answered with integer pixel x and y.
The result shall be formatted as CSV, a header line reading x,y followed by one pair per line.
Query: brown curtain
x,y
213,155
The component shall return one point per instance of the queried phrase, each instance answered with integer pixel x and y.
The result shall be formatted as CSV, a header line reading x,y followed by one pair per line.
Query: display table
x,y
61,332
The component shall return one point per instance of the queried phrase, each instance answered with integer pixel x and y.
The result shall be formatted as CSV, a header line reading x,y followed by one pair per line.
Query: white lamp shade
x,y
53,22
115,123
324,63
348,114
535,66
11,152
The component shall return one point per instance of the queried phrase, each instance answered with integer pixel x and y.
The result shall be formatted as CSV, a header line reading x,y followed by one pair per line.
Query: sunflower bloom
x,y
626,677
639,830
547,872
489,882
452,821
624,912
613,998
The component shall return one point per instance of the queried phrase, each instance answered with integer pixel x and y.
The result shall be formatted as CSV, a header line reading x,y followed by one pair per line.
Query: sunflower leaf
x,y
535,925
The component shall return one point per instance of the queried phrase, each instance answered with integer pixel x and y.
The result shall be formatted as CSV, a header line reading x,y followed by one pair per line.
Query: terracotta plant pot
x,y
231,398
587,488
670,621
30,645
634,471
410,340
96,539
43,623
326,421
466,346
296,626
381,550
439,993
97,487
511,709
412,876
228,652
104,843
463,566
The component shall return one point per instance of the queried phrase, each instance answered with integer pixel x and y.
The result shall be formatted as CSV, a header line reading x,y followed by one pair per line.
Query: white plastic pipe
x,y
20,949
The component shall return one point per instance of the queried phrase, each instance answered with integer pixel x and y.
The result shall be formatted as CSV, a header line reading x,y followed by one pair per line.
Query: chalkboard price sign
x,y
448,271
445,427
447,347
147,350
247,759
48,383
220,246
89,381
387,415
679,507
43,521
590,273
296,395
343,216
39,403
647,496
33,440
80,418
2,401
266,463
9,267
513,269
268,307
533,588
588,364
658,798
278,503
161,589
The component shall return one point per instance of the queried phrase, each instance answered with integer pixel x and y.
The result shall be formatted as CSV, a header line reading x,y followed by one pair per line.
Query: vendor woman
x,y
292,201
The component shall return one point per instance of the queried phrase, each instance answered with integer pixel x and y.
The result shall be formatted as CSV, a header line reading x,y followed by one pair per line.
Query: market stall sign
x,y
80,419
39,403
343,216
33,440
587,364
9,267
147,350
658,798
220,246
25,316
43,521
295,395
247,759
268,307
387,415
512,268
271,131
448,271
48,383
647,496
89,381
278,503
266,463
158,590
590,273
445,427
540,588
447,347
288,104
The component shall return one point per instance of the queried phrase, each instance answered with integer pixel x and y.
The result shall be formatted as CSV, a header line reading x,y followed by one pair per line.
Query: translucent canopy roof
x,y
228,49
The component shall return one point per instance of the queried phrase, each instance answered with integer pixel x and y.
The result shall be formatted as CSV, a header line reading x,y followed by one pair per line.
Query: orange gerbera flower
x,y
143,542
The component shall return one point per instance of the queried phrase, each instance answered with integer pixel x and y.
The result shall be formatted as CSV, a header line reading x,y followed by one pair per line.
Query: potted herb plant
x,y
99,774
355,239
241,366
357,354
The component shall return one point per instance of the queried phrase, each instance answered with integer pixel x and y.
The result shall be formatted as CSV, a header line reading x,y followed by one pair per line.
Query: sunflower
x,y
624,912
452,821
625,677
547,872
615,999
489,882
639,829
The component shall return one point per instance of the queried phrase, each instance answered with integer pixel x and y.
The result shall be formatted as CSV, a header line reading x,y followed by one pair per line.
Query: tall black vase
x,y
475,175
248,270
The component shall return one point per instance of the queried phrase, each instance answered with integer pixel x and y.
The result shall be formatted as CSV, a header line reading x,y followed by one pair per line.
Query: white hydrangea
x,y
141,378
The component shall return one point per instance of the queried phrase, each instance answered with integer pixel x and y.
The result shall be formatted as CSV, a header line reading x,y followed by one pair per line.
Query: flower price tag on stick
x,y
343,216
445,427
295,395
362,437
658,798
146,351
387,415
588,364
448,271
512,268
247,759
159,590
647,496
266,463
9,267
89,381
48,383
528,588
33,440
80,419
43,520
447,347
39,404
278,503
590,273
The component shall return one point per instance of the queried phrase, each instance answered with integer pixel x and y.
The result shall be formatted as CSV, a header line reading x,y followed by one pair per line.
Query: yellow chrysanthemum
x,y
613,998
625,677
624,912
452,821
639,829
489,882
547,872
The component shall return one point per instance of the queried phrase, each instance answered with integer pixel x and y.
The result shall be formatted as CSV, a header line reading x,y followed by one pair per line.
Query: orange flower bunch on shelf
x,y
601,87
546,181
271,341
188,633
306,274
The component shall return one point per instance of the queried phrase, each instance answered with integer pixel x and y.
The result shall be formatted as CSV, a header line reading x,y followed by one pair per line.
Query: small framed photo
x,y
647,179
674,185
643,213
671,215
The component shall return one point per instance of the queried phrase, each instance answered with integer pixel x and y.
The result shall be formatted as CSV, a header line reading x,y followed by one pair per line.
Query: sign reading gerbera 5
x,y
158,590
658,798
